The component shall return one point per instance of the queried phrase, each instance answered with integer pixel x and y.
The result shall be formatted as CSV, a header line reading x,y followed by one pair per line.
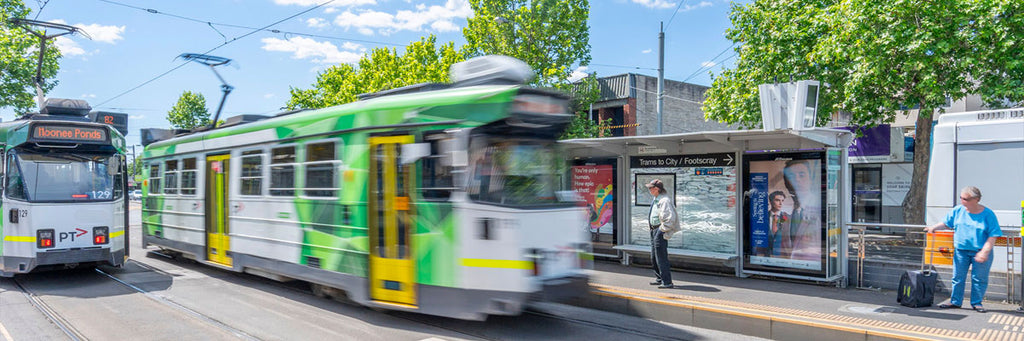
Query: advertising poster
x,y
594,183
873,145
704,190
784,211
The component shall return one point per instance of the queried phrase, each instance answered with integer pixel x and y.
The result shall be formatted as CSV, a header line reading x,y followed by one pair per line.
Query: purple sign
x,y
873,142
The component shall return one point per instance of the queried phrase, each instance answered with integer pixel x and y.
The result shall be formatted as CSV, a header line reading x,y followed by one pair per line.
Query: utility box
x,y
792,105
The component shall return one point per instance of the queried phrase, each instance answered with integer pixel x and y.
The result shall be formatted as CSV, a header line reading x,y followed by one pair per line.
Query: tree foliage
x,y
18,57
190,111
381,69
875,57
550,35
584,92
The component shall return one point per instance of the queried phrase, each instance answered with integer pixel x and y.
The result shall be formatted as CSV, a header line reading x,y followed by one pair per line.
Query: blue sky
x,y
131,46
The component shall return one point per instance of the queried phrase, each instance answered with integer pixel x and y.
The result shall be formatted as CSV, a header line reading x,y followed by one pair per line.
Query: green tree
x,y
190,111
549,35
875,58
18,58
381,69
584,92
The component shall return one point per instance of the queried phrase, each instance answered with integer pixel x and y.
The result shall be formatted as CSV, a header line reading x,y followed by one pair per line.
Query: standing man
x,y
975,229
778,238
664,222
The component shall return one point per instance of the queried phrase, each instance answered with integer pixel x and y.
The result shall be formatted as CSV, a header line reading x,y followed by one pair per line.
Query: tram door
x,y
392,271
217,241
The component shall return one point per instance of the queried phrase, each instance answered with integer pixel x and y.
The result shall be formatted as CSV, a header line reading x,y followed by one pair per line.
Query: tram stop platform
x,y
786,310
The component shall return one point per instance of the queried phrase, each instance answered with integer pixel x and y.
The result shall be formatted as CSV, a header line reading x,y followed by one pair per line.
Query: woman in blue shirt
x,y
975,229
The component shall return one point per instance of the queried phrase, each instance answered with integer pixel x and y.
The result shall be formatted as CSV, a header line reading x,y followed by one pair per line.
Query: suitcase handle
x,y
924,256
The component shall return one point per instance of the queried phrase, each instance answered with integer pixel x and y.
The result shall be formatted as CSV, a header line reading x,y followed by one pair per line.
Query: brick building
x,y
631,101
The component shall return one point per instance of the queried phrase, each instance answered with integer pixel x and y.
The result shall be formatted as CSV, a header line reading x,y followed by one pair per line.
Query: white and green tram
x,y
63,190
437,199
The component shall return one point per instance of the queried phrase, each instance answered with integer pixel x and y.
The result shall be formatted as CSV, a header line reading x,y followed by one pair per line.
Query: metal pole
x,y
661,76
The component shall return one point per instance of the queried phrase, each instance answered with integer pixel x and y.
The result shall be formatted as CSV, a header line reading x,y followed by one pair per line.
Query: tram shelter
x,y
723,184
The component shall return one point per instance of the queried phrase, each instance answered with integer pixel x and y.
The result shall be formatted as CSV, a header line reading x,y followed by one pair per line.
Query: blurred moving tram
x,y
442,199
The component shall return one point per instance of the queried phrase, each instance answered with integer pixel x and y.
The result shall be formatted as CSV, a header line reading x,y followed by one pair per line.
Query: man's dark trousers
x,y
659,257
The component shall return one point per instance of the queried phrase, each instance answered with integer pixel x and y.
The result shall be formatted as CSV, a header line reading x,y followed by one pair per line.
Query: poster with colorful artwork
x,y
594,183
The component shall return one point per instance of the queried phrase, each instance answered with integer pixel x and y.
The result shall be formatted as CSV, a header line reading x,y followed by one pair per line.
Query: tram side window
x,y
321,179
252,172
15,183
437,179
282,171
171,177
154,178
188,176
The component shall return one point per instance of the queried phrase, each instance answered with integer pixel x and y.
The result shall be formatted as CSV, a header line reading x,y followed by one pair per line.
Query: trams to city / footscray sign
x,y
439,199
63,189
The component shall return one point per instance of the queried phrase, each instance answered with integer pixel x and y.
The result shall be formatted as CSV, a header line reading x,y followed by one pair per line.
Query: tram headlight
x,y
99,235
44,238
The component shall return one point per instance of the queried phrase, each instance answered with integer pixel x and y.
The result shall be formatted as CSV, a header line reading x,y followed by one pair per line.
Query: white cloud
x,y
688,8
348,45
330,10
438,18
336,3
317,22
318,52
708,64
88,95
646,51
268,95
578,74
662,4
137,117
68,47
103,33
444,26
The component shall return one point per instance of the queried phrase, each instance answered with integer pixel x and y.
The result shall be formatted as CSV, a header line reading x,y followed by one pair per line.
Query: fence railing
x,y
904,244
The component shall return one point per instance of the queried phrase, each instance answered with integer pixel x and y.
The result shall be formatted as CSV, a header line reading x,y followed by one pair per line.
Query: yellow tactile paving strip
x,y
1008,327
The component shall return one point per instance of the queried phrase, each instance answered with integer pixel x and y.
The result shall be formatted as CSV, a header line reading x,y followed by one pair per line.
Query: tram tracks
x,y
52,315
174,305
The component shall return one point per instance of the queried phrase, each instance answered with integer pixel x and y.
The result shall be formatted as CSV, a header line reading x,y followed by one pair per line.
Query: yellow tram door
x,y
217,240
392,271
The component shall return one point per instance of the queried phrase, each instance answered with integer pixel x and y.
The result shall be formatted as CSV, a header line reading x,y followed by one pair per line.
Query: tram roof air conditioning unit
x,y
490,70
66,107
792,105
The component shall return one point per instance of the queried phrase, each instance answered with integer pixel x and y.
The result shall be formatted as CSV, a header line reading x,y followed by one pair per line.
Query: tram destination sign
x,y
67,133
698,160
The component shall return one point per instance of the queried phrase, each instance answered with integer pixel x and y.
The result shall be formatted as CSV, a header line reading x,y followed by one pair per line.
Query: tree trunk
x,y
914,202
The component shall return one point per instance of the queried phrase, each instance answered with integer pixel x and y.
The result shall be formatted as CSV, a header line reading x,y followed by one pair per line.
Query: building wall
x,y
682,112
636,95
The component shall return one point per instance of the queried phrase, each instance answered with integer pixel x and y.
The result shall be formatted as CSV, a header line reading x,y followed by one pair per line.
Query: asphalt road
x,y
156,298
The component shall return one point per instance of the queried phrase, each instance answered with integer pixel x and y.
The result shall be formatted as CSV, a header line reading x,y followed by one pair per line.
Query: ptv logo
x,y
71,235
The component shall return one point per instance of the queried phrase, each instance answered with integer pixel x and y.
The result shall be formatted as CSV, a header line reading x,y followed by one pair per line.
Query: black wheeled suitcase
x,y
917,287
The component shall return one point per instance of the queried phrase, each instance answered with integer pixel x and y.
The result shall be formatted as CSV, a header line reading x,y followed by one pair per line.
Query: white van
x,y
984,149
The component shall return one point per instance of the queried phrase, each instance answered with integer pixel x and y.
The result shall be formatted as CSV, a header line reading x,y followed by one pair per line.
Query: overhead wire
x,y
674,14
254,31
211,24
623,66
706,68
